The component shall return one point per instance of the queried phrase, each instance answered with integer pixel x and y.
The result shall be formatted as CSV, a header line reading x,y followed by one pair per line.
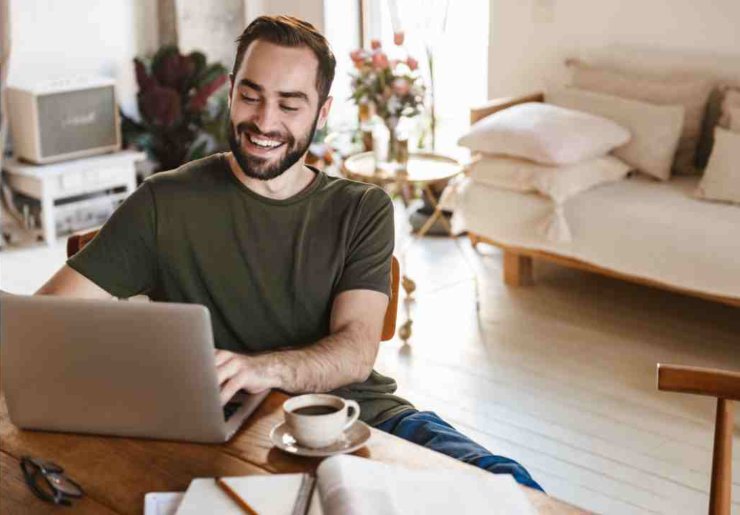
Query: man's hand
x,y
238,371
343,357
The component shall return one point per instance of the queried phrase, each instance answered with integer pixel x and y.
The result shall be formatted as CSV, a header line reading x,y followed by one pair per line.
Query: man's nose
x,y
267,118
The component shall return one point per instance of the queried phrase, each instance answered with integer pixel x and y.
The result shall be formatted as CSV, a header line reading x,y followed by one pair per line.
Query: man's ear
x,y
324,113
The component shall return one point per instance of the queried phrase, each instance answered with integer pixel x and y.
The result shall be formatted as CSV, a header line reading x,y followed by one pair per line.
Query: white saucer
x,y
352,439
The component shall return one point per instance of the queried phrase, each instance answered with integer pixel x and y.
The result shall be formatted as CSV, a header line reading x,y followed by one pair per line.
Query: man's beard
x,y
258,167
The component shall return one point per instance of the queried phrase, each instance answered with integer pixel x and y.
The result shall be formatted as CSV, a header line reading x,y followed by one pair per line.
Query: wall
x,y
311,11
52,39
529,39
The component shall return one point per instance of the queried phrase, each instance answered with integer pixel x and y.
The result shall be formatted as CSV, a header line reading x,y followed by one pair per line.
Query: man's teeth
x,y
266,143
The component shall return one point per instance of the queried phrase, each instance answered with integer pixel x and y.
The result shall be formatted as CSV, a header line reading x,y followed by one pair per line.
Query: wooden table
x,y
117,472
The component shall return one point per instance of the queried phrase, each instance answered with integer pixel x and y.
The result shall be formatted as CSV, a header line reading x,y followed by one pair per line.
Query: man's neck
x,y
291,182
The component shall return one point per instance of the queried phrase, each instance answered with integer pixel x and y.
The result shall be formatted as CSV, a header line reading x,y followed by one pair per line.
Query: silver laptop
x,y
141,369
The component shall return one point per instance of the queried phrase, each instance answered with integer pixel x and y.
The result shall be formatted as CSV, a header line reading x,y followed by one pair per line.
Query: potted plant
x,y
183,108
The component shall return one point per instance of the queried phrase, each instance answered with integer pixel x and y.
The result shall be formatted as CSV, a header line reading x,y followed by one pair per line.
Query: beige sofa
x,y
639,229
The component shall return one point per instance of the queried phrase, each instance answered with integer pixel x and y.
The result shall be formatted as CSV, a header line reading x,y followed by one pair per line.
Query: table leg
x,y
436,215
47,220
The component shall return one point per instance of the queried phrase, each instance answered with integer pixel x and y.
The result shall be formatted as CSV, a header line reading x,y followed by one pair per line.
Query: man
x,y
293,265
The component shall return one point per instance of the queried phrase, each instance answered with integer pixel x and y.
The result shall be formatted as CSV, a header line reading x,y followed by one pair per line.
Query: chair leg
x,y
721,489
517,269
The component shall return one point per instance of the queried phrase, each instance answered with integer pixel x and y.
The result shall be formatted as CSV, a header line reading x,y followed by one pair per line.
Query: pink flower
x,y
380,61
412,63
401,87
374,44
357,55
398,38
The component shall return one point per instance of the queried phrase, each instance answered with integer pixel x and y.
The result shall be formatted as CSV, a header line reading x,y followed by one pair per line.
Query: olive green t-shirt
x,y
267,270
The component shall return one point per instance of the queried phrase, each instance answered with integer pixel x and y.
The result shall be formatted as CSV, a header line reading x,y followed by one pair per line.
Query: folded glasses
x,y
48,481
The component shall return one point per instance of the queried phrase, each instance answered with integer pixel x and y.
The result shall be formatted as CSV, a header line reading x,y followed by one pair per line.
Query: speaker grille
x,y
74,121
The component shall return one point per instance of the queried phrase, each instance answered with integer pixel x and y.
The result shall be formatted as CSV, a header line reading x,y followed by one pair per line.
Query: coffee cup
x,y
319,419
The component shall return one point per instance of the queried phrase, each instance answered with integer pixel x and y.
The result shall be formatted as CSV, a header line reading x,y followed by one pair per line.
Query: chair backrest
x,y
725,386
76,241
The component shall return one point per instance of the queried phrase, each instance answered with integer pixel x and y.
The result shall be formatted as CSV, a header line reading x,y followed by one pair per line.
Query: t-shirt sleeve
x,y
122,257
368,259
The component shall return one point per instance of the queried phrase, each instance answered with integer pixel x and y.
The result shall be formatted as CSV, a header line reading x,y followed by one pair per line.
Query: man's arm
x,y
68,282
344,357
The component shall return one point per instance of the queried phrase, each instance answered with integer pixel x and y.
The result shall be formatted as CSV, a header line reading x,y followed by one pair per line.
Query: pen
x,y
235,497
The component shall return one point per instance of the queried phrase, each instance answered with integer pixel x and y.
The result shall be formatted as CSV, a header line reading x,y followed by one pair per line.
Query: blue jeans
x,y
428,430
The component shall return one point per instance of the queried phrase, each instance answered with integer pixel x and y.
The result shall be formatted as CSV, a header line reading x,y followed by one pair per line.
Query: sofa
x,y
639,229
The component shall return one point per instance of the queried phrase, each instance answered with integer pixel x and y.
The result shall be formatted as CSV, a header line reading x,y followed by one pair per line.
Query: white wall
x,y
529,39
62,38
311,11
53,38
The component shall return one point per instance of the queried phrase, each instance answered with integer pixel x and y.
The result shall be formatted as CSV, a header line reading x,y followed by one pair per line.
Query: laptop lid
x,y
143,369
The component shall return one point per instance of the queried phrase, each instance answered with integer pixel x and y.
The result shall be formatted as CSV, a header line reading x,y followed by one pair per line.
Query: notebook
x,y
349,485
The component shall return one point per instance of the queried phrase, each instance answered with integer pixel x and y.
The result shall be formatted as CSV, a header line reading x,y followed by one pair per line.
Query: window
x,y
457,37
342,29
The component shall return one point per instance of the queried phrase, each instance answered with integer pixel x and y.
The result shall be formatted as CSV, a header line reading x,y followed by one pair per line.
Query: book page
x,y
349,485
273,494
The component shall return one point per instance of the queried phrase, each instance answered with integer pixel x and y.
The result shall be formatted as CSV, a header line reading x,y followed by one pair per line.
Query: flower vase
x,y
393,158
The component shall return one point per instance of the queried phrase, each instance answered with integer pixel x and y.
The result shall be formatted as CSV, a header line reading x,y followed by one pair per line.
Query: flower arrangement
x,y
182,107
391,88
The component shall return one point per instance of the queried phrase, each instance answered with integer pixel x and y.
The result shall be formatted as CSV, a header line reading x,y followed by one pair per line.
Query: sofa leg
x,y
474,240
517,269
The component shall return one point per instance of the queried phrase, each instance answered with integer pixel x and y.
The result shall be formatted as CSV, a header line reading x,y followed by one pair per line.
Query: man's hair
x,y
288,31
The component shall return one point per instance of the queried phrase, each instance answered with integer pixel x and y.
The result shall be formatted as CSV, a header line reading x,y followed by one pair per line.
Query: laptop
x,y
108,367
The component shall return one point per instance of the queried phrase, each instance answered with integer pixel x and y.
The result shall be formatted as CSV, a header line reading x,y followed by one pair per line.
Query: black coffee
x,y
316,410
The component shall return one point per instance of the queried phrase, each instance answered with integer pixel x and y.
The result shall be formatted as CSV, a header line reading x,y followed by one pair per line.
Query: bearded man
x,y
294,266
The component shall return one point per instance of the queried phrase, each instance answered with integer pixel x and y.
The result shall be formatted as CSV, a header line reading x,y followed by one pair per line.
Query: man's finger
x,y
227,370
222,356
229,390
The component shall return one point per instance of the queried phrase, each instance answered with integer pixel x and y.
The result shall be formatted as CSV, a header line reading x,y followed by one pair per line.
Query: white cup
x,y
314,427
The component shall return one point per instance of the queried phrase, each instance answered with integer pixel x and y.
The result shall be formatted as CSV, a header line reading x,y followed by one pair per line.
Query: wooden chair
x,y
76,241
724,385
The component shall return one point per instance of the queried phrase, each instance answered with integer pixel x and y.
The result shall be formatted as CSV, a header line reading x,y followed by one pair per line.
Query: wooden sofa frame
x,y
518,261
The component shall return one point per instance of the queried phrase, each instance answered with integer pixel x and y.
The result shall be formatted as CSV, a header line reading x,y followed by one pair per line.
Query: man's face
x,y
274,108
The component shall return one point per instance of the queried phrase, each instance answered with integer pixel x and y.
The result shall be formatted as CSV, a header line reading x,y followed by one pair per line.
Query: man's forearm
x,y
340,359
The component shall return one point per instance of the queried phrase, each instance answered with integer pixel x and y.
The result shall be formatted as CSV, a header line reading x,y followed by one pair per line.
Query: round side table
x,y
422,170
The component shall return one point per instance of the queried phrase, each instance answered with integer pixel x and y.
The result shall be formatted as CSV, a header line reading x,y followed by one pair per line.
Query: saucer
x,y
351,440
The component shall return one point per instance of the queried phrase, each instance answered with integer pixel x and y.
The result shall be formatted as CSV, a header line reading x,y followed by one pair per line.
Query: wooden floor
x,y
559,376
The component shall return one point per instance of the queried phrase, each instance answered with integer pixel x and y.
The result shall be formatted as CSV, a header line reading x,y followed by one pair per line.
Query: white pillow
x,y
545,134
557,182
721,179
655,129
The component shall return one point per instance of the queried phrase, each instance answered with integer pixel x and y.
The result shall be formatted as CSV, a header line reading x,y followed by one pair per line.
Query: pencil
x,y
235,497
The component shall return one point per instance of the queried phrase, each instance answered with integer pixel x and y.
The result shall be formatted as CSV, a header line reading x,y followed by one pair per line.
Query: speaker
x,y
64,119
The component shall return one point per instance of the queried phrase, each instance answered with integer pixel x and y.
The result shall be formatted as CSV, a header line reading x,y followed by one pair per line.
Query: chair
x,y
724,385
76,241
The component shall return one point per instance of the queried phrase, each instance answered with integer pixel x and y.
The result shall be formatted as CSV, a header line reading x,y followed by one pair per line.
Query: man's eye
x,y
286,108
249,99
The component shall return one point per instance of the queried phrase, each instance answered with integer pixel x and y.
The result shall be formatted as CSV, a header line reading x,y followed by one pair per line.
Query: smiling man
x,y
293,265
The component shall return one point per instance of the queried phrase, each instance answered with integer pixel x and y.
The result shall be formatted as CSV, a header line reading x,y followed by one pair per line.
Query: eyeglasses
x,y
48,482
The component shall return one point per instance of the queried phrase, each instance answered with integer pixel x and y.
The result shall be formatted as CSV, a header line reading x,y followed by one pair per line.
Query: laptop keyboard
x,y
230,409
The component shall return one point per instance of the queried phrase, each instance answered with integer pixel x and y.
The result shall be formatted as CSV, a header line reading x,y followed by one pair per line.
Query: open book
x,y
348,485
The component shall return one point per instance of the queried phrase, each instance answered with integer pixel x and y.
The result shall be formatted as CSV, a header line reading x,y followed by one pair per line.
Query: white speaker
x,y
63,119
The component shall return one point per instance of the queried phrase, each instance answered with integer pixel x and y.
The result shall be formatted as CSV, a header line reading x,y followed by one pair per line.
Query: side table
x,y
68,180
423,169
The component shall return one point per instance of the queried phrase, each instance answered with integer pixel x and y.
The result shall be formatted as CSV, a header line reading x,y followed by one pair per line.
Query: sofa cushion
x,y
545,134
721,179
655,129
690,92
559,182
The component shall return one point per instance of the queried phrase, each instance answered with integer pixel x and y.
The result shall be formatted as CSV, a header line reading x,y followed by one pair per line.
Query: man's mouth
x,y
261,143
